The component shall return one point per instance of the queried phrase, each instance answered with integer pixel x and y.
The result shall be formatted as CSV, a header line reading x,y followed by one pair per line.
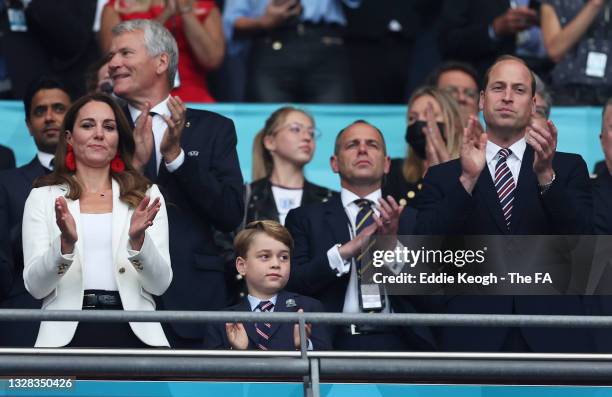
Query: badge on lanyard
x,y
16,15
371,297
596,64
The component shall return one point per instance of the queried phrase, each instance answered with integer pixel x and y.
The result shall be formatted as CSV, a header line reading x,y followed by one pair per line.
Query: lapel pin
x,y
193,153
290,303
187,124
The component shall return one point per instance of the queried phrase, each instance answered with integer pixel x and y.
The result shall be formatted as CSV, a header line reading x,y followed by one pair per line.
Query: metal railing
x,y
312,366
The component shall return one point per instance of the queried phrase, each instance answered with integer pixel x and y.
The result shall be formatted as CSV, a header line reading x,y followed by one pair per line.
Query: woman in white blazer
x,y
95,232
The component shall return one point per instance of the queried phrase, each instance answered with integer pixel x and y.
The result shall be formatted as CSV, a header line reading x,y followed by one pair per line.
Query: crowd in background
x,y
316,51
130,145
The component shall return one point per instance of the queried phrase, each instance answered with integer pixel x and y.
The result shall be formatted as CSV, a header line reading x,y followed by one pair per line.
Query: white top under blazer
x,y
58,279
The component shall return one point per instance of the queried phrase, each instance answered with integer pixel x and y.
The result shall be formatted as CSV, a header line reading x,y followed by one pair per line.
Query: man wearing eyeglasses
x,y
458,79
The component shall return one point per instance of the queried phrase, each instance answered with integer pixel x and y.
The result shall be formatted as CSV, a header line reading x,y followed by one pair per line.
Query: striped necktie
x,y
364,216
504,184
263,329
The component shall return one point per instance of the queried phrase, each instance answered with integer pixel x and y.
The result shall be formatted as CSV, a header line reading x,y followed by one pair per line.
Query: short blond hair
x,y
273,229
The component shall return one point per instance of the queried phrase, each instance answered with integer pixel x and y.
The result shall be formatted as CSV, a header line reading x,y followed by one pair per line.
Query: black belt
x,y
98,299
354,329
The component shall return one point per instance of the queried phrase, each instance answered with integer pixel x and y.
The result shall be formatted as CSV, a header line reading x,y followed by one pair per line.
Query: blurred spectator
x,y
380,36
602,186
45,103
297,51
97,77
460,80
604,167
578,35
543,99
433,136
196,26
7,158
49,37
478,31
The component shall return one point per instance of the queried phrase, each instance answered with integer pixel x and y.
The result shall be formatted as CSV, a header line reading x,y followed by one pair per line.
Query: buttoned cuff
x,y
336,263
177,162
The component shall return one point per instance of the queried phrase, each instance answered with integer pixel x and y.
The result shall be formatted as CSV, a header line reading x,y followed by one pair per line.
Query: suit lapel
x,y
32,171
120,216
486,189
526,182
337,221
75,210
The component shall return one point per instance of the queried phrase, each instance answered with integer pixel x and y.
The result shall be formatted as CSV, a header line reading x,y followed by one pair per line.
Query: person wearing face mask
x,y
433,136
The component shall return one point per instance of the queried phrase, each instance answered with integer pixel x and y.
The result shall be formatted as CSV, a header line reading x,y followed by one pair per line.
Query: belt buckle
x,y
354,330
86,298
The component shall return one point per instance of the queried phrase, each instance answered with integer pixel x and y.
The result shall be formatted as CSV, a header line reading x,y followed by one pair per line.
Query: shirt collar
x,y
517,148
254,302
160,108
45,159
349,197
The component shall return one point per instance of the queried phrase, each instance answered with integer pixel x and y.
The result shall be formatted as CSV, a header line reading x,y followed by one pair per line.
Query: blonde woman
x,y
433,136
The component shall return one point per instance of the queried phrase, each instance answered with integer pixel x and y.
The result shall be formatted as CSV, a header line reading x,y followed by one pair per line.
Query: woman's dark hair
x,y
132,184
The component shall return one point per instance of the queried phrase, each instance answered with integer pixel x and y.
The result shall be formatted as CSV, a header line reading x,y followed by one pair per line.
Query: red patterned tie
x,y
504,184
262,329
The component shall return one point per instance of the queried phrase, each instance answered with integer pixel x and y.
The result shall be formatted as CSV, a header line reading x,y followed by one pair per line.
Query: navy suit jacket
x,y
445,208
206,191
281,334
15,186
315,229
7,158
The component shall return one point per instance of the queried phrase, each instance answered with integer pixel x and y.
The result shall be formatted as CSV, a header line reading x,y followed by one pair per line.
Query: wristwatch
x,y
544,188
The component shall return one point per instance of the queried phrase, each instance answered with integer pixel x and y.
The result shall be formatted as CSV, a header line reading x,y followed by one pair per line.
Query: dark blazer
x,y
445,208
281,334
15,186
602,203
206,191
315,229
261,203
397,186
464,32
7,158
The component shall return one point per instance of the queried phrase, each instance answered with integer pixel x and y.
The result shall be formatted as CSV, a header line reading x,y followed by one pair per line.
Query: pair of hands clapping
x,y
142,218
170,146
239,340
542,137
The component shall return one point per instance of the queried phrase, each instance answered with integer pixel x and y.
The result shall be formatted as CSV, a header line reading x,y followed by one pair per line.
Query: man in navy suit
x,y
45,102
328,240
263,253
191,155
509,180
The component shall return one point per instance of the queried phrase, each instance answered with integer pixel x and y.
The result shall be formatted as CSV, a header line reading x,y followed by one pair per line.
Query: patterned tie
x,y
504,184
363,220
263,329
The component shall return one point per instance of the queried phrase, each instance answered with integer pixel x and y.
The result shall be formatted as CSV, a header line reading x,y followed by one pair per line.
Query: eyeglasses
x,y
298,128
454,91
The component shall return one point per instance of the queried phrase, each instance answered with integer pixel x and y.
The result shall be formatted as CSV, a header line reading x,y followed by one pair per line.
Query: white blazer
x,y
58,279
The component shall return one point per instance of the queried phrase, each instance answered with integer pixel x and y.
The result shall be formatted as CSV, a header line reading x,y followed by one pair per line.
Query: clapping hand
x,y
237,336
143,139
543,140
66,224
473,153
170,146
296,332
142,218
435,147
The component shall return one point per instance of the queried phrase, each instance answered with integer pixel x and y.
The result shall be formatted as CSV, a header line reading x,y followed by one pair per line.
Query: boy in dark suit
x,y
263,252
